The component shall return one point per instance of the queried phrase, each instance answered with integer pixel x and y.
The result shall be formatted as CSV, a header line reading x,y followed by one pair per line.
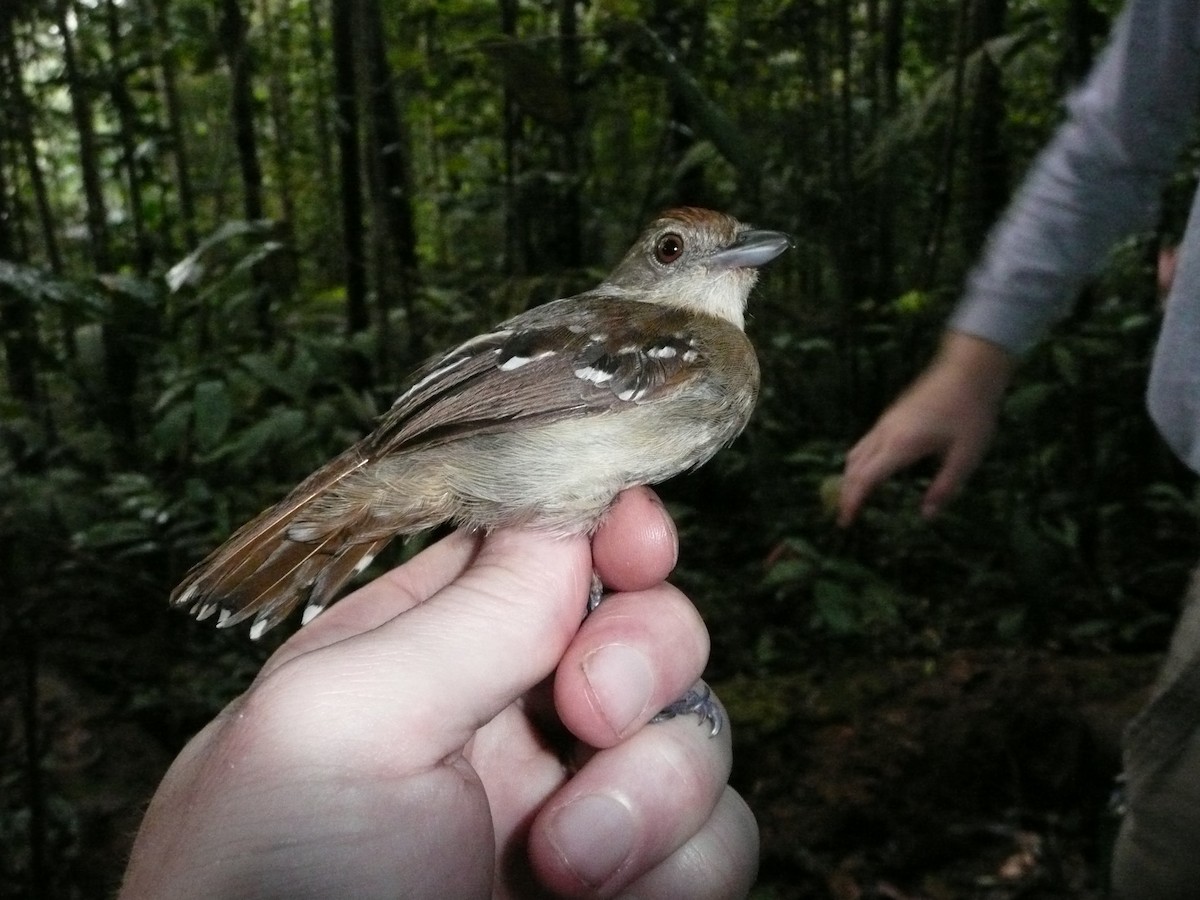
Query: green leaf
x,y
279,429
257,254
835,608
41,287
213,413
788,572
191,269
171,431
268,372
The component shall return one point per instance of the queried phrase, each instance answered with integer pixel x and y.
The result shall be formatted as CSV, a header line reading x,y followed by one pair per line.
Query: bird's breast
x,y
563,476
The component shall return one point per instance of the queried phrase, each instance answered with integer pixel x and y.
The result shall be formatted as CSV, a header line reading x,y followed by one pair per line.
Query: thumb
x,y
437,672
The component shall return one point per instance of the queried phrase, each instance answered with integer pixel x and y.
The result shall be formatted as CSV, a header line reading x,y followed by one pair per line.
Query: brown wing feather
x,y
257,568
477,395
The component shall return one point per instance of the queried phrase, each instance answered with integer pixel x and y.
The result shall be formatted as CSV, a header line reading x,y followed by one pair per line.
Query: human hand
x,y
408,742
950,411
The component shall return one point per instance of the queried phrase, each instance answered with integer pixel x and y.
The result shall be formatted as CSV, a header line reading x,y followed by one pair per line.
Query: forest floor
x,y
978,774
986,775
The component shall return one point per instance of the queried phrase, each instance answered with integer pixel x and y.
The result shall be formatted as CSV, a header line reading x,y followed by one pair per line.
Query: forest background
x,y
228,228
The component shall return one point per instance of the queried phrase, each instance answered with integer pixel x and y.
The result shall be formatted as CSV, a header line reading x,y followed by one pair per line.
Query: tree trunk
x,y
279,64
168,70
346,117
89,155
127,133
570,203
21,124
516,226
16,310
936,231
682,27
853,248
390,160
845,94
233,38
120,363
987,165
890,58
328,249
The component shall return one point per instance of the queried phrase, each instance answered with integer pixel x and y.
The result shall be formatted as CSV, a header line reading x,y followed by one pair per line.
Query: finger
x,y
425,680
384,598
629,808
852,491
719,862
958,464
940,490
635,654
872,459
637,545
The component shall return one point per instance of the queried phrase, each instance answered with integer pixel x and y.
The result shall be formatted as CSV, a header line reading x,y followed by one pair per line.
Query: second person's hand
x,y
949,412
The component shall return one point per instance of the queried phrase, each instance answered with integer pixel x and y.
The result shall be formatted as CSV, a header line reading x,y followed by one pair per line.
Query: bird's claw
x,y
595,594
700,701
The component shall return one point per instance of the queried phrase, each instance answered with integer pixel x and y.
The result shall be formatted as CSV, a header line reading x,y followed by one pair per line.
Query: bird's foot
x,y
700,701
595,594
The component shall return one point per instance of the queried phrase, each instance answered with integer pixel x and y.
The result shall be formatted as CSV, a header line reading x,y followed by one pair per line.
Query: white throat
x,y
721,293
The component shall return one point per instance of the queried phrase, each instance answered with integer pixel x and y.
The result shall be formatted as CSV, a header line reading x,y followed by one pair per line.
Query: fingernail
x,y
621,682
667,522
594,835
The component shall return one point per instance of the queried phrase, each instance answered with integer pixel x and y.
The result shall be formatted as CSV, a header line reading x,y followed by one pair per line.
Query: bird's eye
x,y
668,248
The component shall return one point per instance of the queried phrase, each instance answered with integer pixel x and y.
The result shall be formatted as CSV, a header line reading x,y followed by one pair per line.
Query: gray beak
x,y
752,249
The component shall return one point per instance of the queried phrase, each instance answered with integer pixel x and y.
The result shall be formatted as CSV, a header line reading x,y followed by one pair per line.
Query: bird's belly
x,y
563,476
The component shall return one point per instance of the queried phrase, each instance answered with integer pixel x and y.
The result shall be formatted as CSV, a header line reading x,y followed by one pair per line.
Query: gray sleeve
x,y
1098,180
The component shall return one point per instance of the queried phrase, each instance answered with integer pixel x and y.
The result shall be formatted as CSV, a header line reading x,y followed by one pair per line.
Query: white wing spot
x,y
304,532
515,362
594,375
467,347
690,356
311,612
666,352
361,565
258,629
186,597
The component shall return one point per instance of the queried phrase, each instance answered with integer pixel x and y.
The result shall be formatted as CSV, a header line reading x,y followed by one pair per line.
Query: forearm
x,y
985,365
1098,179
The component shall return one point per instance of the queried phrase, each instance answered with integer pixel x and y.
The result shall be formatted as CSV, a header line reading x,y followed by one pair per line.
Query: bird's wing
x,y
573,357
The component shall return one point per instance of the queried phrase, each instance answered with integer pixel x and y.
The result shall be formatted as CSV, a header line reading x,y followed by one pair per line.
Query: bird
x,y
539,422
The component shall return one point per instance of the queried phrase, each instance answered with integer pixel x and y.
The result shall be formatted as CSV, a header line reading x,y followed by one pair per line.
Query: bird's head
x,y
698,260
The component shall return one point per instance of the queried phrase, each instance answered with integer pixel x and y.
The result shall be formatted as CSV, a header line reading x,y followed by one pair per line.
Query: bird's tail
x,y
285,556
